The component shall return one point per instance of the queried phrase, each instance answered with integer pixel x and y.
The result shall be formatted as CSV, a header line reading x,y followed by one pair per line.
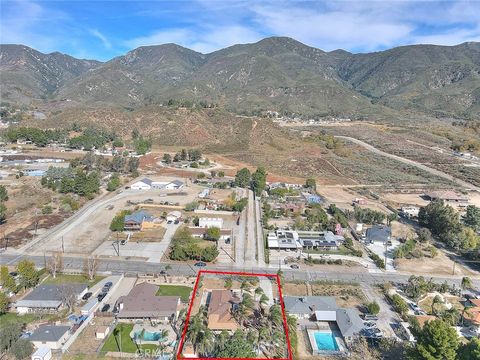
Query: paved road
x,y
74,221
410,162
133,267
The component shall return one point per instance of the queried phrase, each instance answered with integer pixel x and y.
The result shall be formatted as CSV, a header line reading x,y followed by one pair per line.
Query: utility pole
x,y
63,246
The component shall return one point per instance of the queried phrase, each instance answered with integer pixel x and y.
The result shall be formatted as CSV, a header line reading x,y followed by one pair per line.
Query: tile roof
x,y
219,310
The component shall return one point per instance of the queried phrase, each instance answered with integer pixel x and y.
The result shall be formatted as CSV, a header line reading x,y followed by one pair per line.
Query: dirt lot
x,y
92,227
346,295
26,199
86,342
294,289
399,199
439,265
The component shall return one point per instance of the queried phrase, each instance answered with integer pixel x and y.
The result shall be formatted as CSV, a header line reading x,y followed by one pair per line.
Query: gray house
x,y
325,309
50,336
48,298
379,233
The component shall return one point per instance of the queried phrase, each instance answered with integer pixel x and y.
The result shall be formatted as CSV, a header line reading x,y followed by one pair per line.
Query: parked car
x,y
370,317
169,221
176,222
105,308
369,324
123,242
87,296
101,296
294,266
108,284
200,264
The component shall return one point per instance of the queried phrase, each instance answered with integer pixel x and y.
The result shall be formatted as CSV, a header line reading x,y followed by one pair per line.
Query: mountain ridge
x,y
277,73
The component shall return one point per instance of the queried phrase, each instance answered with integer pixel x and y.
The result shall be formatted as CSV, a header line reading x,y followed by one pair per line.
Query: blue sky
x,y
105,29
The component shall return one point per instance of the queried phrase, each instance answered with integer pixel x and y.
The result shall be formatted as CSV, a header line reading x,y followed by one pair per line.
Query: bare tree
x,y
55,263
69,297
90,266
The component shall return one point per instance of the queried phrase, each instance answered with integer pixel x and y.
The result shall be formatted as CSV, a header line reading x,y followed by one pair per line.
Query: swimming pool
x,y
147,336
325,341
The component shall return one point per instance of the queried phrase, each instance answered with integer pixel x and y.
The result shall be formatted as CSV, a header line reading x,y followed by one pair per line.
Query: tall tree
x,y
242,178
259,180
3,193
471,217
436,340
29,276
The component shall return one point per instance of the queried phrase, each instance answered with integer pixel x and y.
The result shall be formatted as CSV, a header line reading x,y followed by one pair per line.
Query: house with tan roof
x,y
143,303
220,310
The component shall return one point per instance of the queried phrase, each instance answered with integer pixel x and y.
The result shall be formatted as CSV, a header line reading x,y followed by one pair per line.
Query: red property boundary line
x,y
179,356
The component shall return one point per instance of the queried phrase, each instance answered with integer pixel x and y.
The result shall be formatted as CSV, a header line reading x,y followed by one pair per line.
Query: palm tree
x,y
275,315
253,338
244,286
206,343
263,300
241,313
228,283
259,291
116,332
247,301
221,340
436,300
466,284
195,328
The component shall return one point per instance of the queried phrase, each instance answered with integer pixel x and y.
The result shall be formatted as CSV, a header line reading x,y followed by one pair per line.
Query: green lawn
x,y
125,342
13,318
67,278
175,290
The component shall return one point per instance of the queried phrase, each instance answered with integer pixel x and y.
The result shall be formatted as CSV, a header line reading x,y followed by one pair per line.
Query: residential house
x,y
144,184
220,310
447,196
200,232
50,336
379,233
284,239
410,211
143,303
140,220
174,185
210,222
48,298
324,240
325,309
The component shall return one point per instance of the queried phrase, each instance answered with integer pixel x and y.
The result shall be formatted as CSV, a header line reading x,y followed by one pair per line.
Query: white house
x,y
42,353
144,184
50,336
210,222
174,185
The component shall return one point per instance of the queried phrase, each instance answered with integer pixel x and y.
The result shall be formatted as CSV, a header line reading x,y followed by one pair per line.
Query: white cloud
x,y
203,40
452,37
101,37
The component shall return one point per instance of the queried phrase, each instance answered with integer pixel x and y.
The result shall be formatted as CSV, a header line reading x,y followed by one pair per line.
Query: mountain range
x,y
275,74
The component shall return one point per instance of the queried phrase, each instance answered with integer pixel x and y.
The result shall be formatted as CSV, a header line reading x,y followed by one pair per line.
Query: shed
x,y
101,332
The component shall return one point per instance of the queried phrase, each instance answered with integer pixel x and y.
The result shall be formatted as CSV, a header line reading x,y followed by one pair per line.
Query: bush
x,y
373,308
377,260
118,222
47,209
